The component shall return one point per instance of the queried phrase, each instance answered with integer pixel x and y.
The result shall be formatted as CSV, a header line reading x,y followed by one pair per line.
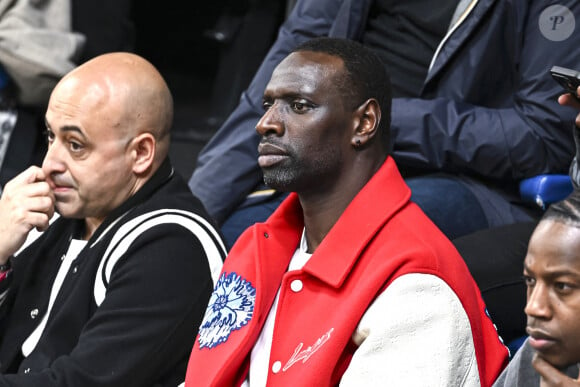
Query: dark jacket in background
x,y
487,111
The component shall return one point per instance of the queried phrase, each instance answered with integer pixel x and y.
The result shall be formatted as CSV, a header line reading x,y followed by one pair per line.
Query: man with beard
x,y
348,281
113,291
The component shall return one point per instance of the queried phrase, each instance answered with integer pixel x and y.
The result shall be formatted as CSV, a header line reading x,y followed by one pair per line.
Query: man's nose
x,y
538,303
271,122
53,160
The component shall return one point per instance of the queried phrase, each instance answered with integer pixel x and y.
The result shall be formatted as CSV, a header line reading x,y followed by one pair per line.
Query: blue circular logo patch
x,y
231,306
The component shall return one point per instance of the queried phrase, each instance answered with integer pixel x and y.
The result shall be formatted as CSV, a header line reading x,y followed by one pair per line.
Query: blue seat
x,y
546,189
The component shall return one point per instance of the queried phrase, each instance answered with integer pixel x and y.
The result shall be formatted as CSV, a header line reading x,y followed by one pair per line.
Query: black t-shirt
x,y
405,34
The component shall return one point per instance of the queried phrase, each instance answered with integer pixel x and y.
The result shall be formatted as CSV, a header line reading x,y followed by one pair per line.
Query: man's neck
x,y
323,208
91,225
321,212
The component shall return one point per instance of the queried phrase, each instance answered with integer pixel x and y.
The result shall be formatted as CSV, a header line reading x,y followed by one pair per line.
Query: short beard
x,y
281,179
297,176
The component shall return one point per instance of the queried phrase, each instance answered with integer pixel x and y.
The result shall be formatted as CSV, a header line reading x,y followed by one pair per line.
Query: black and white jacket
x,y
129,304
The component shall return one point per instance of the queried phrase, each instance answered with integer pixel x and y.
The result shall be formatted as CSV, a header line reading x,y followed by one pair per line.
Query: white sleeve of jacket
x,y
416,333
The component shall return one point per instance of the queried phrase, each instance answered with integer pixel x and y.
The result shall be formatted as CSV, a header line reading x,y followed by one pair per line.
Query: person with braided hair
x,y
550,356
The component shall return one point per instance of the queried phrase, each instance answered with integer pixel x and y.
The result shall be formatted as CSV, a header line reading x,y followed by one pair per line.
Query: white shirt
x,y
75,247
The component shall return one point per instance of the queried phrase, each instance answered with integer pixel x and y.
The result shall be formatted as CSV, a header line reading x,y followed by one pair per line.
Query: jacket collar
x,y
467,17
384,195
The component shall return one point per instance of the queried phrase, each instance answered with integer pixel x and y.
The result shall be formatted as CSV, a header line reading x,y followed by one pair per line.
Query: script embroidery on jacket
x,y
305,354
230,307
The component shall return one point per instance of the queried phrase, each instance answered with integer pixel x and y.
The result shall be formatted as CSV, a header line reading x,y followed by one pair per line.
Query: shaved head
x,y
129,91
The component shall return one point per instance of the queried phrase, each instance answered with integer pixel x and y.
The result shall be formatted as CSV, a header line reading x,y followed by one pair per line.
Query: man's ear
x,y
367,124
142,152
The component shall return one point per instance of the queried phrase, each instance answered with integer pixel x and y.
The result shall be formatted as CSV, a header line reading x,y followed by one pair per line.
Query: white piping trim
x,y
127,234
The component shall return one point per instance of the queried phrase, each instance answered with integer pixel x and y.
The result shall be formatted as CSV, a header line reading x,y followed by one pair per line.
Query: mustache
x,y
271,141
61,181
269,145
538,330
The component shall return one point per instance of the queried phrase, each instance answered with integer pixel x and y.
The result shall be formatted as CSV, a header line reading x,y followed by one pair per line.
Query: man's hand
x,y
569,100
27,202
551,376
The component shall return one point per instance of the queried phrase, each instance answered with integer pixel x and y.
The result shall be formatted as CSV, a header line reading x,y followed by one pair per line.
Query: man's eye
x,y
298,106
266,105
563,286
49,136
529,281
75,146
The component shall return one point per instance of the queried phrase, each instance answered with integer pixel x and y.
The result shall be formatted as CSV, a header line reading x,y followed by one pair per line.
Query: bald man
x,y
112,292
